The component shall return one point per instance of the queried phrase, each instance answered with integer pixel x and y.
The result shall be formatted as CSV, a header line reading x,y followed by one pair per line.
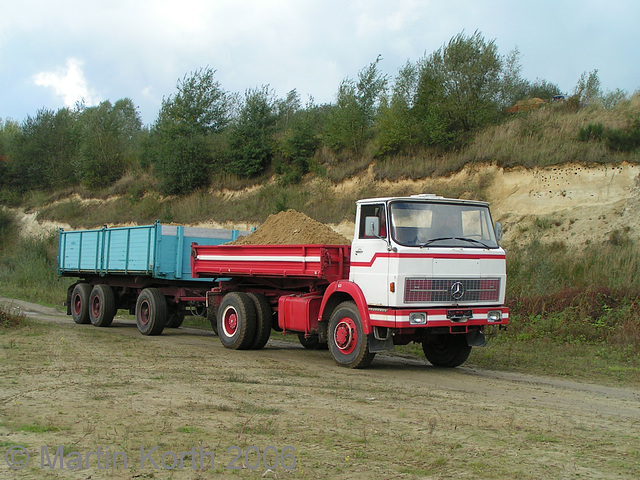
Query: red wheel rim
x,y
95,306
77,305
144,313
345,335
230,322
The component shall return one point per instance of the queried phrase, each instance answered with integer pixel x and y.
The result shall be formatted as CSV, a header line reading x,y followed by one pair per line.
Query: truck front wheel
x,y
447,350
348,343
102,306
237,321
80,303
151,312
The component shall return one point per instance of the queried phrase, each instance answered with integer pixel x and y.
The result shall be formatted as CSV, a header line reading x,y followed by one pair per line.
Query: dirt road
x,y
85,388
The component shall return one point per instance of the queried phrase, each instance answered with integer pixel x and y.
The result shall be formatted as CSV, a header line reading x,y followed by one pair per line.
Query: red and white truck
x,y
422,269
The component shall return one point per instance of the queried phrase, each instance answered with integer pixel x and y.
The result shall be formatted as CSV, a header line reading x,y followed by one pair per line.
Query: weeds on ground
x,y
10,317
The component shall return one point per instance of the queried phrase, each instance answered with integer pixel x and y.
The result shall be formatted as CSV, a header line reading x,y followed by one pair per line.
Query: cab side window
x,y
372,211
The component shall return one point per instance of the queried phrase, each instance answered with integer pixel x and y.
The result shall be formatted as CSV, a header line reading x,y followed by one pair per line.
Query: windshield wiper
x,y
464,239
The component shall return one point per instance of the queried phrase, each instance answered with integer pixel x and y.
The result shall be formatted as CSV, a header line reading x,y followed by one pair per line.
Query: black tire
x,y
80,303
312,342
174,320
446,350
102,306
264,314
151,312
236,321
348,344
212,316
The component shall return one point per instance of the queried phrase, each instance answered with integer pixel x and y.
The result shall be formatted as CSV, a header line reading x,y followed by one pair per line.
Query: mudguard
x,y
352,290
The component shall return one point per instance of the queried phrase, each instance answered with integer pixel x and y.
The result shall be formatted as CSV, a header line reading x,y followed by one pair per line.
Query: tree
x,y
513,86
180,140
396,127
297,144
287,109
588,90
9,132
350,124
107,141
543,89
44,151
459,88
251,136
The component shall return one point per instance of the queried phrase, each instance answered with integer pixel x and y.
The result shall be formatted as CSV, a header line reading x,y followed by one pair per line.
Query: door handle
x,y
359,251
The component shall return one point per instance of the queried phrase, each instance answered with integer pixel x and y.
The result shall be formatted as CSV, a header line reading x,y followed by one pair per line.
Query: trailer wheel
x,y
312,342
447,350
102,306
212,316
151,311
236,321
348,343
80,303
263,320
174,320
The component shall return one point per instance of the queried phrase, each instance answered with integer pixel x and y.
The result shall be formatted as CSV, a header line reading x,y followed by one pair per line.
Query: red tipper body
x,y
326,262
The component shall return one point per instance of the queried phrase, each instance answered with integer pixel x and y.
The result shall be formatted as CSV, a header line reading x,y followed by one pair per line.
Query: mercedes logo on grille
x,y
457,290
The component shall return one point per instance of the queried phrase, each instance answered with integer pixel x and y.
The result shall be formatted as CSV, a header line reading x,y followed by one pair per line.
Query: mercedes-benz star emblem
x,y
457,290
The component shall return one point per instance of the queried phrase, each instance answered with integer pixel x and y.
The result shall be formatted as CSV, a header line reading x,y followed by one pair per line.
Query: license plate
x,y
459,314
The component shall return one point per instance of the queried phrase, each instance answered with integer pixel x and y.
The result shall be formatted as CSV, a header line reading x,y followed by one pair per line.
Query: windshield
x,y
421,224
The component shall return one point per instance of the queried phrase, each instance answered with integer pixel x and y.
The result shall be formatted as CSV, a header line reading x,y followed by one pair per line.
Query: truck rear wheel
x,y
80,303
312,342
263,320
237,321
102,306
446,350
212,316
151,312
348,343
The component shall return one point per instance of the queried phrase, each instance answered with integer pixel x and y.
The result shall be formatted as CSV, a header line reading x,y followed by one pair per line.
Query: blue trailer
x,y
144,269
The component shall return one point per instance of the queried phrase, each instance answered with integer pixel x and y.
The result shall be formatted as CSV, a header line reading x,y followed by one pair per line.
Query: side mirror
x,y
372,227
498,230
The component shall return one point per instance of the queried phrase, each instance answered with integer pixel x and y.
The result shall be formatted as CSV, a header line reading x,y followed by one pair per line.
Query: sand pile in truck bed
x,y
291,228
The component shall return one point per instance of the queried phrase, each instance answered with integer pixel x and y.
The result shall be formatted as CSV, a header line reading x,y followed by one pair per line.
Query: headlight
x,y
494,316
417,318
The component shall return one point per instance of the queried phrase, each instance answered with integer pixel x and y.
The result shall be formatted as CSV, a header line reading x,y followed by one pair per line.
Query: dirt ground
x,y
83,388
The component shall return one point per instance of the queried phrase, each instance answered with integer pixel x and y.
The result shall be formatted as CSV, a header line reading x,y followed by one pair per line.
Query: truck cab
x,y
429,267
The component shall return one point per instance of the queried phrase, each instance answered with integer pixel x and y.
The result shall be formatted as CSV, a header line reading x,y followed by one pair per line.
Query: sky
x,y
56,53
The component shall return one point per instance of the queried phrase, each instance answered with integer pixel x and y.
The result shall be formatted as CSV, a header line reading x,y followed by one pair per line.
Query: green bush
x,y
624,140
7,225
591,132
28,271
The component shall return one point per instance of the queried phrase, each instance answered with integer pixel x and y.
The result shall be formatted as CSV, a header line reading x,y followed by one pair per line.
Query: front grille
x,y
444,289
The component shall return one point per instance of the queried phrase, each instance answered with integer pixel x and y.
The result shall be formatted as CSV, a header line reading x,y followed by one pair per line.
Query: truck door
x,y
369,255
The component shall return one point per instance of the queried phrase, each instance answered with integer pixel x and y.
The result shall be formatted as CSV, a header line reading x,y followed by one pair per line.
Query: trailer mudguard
x,y
337,292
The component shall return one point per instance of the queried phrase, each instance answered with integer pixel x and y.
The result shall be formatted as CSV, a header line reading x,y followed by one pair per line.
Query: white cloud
x,y
68,82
